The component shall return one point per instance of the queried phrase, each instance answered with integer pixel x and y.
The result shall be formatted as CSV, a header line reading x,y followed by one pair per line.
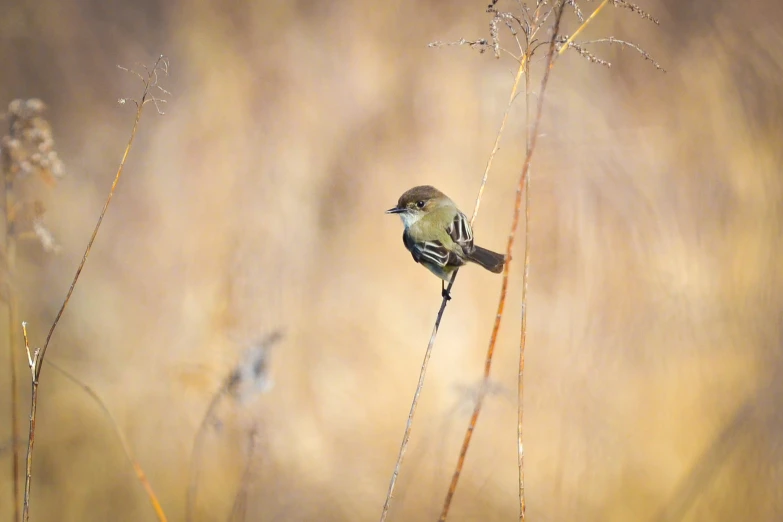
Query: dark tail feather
x,y
488,259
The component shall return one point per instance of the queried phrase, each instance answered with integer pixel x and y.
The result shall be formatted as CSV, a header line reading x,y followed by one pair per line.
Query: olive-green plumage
x,y
438,235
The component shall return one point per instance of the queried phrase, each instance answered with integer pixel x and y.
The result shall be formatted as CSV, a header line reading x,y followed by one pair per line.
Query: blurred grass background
x,y
653,363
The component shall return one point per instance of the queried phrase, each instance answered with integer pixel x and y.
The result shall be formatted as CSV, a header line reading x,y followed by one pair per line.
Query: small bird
x,y
438,235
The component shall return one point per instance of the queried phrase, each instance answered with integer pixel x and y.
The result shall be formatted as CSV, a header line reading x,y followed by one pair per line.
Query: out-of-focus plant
x,y
28,160
246,380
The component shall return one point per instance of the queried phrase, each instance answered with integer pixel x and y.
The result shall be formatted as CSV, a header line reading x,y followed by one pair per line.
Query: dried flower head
x,y
27,150
29,145
524,21
251,376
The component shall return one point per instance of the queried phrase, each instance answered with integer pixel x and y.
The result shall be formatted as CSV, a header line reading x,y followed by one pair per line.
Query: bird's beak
x,y
396,210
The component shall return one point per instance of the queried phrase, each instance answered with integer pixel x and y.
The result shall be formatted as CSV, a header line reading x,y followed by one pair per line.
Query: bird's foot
x,y
444,293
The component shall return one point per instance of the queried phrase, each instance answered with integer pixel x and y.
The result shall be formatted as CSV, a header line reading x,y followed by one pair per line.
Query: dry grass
x,y
654,288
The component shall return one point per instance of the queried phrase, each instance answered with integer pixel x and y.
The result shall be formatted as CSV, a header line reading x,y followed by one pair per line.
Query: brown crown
x,y
420,193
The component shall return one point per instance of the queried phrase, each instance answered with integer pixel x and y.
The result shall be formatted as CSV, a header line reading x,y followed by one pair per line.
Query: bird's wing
x,y
410,245
432,252
461,232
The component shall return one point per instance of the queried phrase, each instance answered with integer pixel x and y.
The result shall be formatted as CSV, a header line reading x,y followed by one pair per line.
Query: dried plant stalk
x,y
126,448
521,186
27,149
35,358
13,318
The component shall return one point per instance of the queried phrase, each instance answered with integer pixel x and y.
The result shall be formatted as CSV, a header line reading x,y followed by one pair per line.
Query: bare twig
x,y
36,361
524,177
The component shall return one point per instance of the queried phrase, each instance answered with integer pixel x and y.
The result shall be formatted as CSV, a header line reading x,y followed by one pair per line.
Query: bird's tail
x,y
490,260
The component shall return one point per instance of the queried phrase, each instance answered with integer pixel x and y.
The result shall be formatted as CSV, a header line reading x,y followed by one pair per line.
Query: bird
x,y
439,236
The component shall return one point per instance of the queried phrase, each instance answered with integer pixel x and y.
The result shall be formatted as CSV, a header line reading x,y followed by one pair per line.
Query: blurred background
x,y
255,205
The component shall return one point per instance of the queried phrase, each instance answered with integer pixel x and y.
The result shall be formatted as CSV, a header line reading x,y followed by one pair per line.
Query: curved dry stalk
x,y
35,360
120,435
521,186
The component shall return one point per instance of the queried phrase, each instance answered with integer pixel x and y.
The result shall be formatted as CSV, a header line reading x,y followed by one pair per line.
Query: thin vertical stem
x,y
13,338
36,361
520,404
31,434
496,146
420,385
524,176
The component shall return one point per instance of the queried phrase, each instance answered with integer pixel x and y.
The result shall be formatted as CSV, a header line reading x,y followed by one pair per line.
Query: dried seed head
x,y
251,376
16,107
35,106
623,4
29,147
45,236
57,168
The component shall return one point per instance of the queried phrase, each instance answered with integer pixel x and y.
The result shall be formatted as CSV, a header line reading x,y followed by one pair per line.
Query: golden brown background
x,y
653,363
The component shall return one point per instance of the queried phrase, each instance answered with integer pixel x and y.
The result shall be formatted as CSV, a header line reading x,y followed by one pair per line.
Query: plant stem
x,y
409,424
35,360
13,339
520,404
31,434
509,248
137,469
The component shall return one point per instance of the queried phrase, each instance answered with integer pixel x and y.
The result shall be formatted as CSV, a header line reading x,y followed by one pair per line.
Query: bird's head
x,y
417,202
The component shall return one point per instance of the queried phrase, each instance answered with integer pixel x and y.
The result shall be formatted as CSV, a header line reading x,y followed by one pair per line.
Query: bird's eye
x,y
420,204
